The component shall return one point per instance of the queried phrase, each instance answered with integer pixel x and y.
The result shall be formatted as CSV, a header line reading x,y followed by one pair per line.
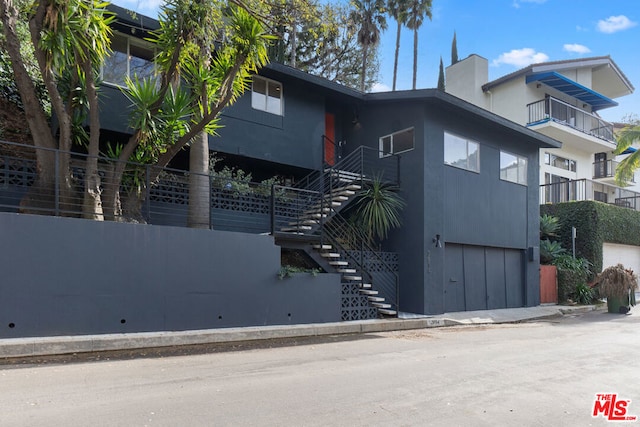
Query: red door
x,y
329,140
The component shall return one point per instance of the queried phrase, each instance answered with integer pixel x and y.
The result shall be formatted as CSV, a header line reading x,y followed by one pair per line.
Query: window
x,y
129,57
461,153
513,168
559,162
397,142
266,95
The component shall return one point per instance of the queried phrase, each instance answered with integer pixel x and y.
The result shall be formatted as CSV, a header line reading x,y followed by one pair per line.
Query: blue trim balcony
x,y
556,111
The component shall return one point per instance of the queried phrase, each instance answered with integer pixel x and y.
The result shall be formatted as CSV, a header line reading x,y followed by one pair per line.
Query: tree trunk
x,y
395,59
64,120
199,189
415,57
42,196
92,205
365,52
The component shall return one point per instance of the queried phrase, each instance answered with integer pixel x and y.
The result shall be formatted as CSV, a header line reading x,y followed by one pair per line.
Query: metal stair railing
x,y
347,239
360,164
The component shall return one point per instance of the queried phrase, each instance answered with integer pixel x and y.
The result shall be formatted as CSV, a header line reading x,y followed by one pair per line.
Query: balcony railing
x,y
584,189
560,112
606,169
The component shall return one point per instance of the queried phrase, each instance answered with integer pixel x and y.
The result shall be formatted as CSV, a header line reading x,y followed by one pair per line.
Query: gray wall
x,y
461,206
65,276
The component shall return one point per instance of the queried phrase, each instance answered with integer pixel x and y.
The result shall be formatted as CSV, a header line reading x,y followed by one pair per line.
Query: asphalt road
x,y
529,374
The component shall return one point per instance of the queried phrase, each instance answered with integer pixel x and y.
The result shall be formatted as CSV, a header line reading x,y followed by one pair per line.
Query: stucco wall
x,y
64,276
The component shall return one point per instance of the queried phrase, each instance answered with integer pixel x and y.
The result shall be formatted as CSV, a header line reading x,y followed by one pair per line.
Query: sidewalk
x,y
21,347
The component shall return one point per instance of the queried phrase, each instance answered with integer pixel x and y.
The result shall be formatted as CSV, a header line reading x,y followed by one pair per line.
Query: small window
x,y
513,168
559,162
266,95
461,153
397,142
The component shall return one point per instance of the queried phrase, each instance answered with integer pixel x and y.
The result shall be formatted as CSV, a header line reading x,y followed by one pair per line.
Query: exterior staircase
x,y
308,216
353,276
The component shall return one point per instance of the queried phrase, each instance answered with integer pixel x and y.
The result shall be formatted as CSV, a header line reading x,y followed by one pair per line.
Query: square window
x,y
266,95
513,168
461,153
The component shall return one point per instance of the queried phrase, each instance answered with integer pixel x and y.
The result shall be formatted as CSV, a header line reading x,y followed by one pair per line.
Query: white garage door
x,y
627,255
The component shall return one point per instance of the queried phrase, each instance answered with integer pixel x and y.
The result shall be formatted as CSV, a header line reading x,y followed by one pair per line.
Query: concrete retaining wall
x,y
61,276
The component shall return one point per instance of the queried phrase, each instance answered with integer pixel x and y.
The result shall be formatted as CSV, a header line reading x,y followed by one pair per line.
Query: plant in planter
x,y
617,284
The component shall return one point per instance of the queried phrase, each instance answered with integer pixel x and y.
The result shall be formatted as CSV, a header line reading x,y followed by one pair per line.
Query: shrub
x,y
550,250
584,294
572,273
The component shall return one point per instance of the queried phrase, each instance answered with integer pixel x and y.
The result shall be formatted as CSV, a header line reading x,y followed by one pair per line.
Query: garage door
x,y
482,278
627,255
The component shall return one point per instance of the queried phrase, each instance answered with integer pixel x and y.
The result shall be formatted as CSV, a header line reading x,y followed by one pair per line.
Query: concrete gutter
x,y
47,346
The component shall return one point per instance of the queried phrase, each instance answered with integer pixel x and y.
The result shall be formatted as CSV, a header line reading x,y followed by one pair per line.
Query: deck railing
x,y
560,112
585,189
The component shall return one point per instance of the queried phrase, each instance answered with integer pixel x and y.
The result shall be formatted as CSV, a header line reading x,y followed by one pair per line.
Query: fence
x,y
146,194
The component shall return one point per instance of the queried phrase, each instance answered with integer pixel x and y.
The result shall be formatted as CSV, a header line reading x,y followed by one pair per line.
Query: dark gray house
x,y
469,177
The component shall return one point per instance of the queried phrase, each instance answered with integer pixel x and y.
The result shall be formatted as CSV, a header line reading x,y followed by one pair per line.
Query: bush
x,y
550,250
572,273
584,294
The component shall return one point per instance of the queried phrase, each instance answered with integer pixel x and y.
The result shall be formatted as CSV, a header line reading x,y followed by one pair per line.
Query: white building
x,y
560,99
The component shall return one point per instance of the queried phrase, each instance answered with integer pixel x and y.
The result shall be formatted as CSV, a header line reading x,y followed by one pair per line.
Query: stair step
x,y
365,286
380,305
368,292
313,216
352,278
376,299
387,312
339,263
296,228
321,246
337,198
347,270
304,222
330,255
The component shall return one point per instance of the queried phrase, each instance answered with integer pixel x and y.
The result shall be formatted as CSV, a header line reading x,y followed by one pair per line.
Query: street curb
x,y
49,346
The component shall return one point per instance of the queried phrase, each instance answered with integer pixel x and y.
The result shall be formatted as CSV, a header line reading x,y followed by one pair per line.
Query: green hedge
x,y
595,223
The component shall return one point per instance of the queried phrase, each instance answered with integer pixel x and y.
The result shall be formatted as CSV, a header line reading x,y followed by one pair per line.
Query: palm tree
x,y
398,11
416,12
625,139
368,15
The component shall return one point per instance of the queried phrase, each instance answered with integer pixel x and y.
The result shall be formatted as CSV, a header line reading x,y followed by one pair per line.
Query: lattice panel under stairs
x,y
355,306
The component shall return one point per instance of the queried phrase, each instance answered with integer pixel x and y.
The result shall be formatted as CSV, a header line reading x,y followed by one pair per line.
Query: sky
x,y
510,34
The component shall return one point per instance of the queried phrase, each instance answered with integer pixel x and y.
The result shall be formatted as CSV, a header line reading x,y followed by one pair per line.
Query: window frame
x,y
139,43
382,153
572,165
467,142
265,107
518,158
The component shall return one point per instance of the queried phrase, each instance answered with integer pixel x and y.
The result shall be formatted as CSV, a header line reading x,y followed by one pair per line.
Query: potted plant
x,y
618,286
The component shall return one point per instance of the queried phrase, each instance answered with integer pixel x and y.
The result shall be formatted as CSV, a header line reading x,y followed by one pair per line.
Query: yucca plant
x,y
378,208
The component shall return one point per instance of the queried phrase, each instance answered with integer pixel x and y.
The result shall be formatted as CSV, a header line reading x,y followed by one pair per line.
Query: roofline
x,y
552,65
441,97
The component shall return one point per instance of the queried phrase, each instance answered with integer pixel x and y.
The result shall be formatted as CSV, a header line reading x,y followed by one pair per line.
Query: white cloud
x,y
576,48
380,87
521,57
614,24
517,3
